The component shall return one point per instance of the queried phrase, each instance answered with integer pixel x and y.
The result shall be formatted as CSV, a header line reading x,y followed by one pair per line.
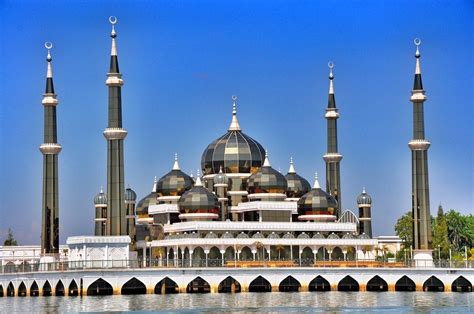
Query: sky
x,y
183,60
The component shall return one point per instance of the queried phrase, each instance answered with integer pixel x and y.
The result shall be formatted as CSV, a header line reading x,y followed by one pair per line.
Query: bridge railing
x,y
226,263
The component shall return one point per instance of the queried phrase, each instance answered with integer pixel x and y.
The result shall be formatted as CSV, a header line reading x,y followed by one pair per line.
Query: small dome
x,y
288,236
235,151
364,198
318,236
144,203
317,205
198,203
100,200
221,179
333,236
273,235
297,185
130,195
175,182
303,236
266,180
227,235
242,235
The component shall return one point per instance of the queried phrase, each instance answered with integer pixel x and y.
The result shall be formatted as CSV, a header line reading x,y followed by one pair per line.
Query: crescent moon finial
x,y
331,65
113,20
234,97
48,45
417,41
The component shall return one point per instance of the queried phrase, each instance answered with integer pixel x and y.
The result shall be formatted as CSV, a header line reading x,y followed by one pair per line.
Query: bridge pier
x,y
362,287
391,287
304,288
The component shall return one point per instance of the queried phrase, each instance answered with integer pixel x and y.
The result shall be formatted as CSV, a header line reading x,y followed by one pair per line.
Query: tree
x,y
458,232
404,229
10,240
440,234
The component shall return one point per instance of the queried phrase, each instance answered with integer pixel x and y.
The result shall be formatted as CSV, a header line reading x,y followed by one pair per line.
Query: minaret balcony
x,y
332,157
419,144
331,114
50,148
418,96
114,79
49,100
115,133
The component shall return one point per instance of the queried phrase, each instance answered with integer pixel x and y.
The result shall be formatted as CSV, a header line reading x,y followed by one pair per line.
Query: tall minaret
x,y
419,165
50,149
332,157
115,134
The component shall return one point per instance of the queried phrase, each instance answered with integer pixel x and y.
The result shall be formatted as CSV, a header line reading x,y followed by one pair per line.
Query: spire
x,y
292,167
198,179
363,190
49,74
331,97
234,125
220,169
417,84
266,163
155,182
316,182
114,68
101,189
176,164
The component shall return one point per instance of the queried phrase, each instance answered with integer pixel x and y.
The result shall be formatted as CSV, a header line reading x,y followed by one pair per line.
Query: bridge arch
x,y
433,284
166,286
260,284
198,285
319,284
289,284
59,290
47,291
405,284
10,290
73,291
34,290
348,284
377,284
229,285
133,286
461,284
100,287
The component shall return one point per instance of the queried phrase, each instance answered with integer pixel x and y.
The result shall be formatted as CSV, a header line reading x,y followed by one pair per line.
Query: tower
x,y
115,135
100,204
364,202
130,200
50,150
332,157
221,185
419,165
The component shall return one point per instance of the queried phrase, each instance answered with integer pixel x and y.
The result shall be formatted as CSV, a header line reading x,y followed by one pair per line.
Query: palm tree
x,y
279,248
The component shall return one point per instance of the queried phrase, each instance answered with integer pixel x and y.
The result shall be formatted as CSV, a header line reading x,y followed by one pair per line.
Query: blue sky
x,y
181,62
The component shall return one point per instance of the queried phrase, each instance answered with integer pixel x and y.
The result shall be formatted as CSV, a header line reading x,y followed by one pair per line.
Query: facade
x,y
93,252
419,152
50,150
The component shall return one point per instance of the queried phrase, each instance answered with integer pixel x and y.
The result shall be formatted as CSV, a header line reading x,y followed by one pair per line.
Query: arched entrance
x,y
319,284
199,257
289,284
73,291
229,254
59,290
229,285
405,284
47,289
100,287
433,284
198,285
166,286
133,286
336,254
307,257
348,284
34,290
246,254
461,284
22,289
377,284
10,290
260,284
214,258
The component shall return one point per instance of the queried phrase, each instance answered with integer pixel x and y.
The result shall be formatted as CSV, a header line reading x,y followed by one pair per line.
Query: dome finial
x,y
316,181
101,189
234,125
363,189
198,178
176,163
49,73
220,169
292,167
113,34
266,163
417,85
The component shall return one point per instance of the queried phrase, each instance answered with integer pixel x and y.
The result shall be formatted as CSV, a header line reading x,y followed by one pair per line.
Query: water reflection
x,y
250,302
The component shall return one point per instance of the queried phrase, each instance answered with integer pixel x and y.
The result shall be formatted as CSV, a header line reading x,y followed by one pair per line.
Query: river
x,y
298,302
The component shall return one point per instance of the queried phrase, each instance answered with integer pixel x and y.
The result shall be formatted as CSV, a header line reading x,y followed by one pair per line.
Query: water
x,y
299,302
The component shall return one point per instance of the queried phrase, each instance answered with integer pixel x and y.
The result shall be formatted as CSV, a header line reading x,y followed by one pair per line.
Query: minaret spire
x,y
292,166
115,135
176,163
234,125
50,150
332,157
419,146
266,163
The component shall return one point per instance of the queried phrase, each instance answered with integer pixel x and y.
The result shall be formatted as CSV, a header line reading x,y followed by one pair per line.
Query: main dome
x,y
235,151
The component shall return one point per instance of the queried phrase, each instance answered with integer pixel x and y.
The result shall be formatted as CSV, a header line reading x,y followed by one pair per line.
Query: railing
x,y
228,263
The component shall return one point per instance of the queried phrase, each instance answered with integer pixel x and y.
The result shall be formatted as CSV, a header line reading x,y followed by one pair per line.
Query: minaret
x,y
419,160
115,134
100,204
332,157
50,150
364,203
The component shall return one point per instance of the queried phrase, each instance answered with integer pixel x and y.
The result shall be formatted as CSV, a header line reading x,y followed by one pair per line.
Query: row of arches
x,y
231,285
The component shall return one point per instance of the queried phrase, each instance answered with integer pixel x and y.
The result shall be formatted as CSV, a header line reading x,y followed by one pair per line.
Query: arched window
x,y
461,284
73,291
100,287
47,289
289,284
198,285
348,284
229,285
133,286
319,284
34,290
405,284
377,284
166,286
433,284
59,290
260,284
